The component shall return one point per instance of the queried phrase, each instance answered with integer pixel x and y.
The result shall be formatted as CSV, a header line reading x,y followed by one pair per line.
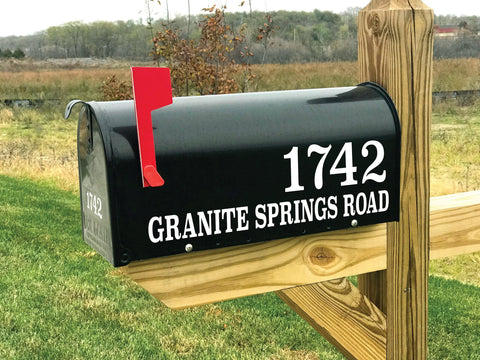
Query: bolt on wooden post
x,y
395,50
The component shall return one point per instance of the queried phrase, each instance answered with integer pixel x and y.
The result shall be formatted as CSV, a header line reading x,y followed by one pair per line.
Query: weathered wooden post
x,y
395,50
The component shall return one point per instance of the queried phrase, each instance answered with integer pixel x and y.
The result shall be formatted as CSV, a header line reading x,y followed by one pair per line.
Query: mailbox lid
x,y
271,119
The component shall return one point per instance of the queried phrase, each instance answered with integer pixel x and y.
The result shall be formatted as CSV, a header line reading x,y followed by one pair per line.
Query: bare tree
x,y
188,21
168,12
150,23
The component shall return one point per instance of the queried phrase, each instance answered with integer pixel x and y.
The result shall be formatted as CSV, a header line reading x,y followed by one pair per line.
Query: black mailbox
x,y
238,168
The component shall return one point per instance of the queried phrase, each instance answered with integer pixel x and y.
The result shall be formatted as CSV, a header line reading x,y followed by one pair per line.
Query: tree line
x,y
293,37
8,54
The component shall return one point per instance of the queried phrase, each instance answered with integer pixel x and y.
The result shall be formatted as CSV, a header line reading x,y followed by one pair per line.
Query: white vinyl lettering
x,y
348,205
323,215
361,203
294,176
189,228
378,160
242,222
332,170
171,223
273,211
261,218
227,214
155,231
365,203
349,170
94,204
384,201
344,164
318,179
332,207
286,213
204,223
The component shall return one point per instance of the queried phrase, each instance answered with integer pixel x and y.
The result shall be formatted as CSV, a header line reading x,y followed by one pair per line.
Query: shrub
x,y
114,89
204,66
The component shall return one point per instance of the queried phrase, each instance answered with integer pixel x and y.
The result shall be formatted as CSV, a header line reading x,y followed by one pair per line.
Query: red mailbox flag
x,y
151,90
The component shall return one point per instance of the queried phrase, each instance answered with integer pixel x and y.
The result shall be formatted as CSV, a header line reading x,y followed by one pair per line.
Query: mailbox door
x,y
95,182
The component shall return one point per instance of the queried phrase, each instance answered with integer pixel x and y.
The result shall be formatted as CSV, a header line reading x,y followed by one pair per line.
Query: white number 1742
x,y
348,170
94,204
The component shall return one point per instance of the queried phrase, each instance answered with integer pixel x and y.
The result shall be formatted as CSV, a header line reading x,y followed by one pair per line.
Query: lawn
x,y
61,300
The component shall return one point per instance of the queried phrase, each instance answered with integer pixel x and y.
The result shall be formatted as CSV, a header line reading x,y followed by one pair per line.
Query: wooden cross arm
x,y
193,279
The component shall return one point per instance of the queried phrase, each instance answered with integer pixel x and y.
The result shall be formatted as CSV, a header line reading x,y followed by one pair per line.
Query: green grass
x,y
61,300
454,320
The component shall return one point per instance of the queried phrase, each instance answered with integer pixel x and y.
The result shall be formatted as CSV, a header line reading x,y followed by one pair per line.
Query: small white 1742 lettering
x,y
94,204
348,170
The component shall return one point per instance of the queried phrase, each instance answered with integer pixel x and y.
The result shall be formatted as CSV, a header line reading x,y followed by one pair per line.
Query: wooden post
x,y
395,50
341,314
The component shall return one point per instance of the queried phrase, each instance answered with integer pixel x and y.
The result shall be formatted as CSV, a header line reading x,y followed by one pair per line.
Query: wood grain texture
x,y
337,310
210,276
374,286
395,50
455,225
214,275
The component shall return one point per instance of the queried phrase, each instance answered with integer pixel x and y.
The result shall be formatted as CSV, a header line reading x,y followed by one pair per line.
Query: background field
x,y
61,300
41,144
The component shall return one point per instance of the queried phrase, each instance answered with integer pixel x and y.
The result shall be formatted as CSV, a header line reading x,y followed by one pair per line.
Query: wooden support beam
x,y
341,314
454,225
347,318
374,286
215,275
395,49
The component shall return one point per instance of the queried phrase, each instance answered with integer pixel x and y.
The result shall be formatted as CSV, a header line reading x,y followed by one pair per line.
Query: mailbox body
x,y
238,168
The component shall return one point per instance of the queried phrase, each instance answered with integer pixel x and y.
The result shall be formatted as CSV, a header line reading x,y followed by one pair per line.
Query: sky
x,y
27,17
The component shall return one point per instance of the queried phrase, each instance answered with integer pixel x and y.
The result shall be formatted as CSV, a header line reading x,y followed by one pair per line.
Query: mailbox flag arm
x,y
151,90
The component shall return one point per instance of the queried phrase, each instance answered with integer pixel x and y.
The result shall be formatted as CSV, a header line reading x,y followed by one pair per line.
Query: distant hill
x,y
298,37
